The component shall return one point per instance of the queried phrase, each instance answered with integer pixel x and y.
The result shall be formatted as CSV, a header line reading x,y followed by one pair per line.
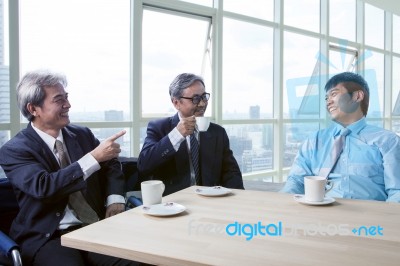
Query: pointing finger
x,y
116,136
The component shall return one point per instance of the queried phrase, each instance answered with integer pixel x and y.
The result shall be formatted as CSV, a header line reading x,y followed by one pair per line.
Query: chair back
x,y
9,250
132,181
8,205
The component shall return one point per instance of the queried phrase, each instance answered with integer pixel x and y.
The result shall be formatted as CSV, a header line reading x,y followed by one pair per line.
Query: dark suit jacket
x,y
159,160
42,188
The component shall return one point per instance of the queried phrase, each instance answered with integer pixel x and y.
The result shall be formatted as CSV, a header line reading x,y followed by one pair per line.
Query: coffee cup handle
x,y
162,188
330,184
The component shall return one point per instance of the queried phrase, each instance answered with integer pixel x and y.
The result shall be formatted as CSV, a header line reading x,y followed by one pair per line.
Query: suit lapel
x,y
75,151
45,152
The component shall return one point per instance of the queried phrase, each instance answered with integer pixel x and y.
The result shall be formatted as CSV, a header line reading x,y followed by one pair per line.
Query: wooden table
x,y
309,235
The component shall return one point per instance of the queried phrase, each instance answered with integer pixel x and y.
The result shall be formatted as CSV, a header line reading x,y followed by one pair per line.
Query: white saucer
x,y
213,191
163,209
301,199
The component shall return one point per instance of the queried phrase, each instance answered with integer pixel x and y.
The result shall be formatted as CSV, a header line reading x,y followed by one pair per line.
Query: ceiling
x,y
388,5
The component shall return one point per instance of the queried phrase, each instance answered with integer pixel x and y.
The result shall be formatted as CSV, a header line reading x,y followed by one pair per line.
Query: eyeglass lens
x,y
198,98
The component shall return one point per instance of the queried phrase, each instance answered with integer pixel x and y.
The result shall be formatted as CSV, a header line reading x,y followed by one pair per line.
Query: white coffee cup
x,y
202,123
152,191
315,188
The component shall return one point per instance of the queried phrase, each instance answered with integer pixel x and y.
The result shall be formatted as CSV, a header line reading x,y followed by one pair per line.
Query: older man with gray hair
x,y
175,152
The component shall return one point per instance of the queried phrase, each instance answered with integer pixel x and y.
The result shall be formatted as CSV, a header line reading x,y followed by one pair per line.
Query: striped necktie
x,y
194,149
337,149
76,201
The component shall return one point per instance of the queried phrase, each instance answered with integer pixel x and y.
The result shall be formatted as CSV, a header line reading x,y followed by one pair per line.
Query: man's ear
x,y
31,108
175,102
358,96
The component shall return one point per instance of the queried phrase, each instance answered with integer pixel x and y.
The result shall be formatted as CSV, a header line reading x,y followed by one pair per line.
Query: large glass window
x,y
247,51
4,76
252,146
295,134
396,34
302,14
301,76
342,19
248,71
4,137
374,75
4,66
89,42
263,9
181,43
374,26
396,88
342,58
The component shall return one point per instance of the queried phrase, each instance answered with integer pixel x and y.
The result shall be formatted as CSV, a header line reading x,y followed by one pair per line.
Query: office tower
x,y
254,112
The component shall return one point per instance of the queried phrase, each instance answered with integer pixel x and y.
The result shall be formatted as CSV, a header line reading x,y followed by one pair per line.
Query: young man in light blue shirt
x,y
368,166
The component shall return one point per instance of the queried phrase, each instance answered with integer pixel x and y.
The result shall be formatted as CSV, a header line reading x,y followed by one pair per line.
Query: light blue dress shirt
x,y
368,167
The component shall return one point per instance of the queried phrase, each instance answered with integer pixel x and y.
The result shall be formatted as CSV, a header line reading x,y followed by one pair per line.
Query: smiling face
x,y
344,107
186,107
52,116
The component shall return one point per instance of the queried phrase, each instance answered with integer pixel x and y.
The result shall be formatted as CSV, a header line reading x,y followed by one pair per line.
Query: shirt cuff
x,y
176,138
115,199
89,165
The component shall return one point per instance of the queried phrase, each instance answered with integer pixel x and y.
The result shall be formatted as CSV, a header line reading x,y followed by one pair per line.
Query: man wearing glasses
x,y
167,152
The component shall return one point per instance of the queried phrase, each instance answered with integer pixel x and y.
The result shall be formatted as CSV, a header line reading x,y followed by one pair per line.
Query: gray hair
x,y
30,88
182,82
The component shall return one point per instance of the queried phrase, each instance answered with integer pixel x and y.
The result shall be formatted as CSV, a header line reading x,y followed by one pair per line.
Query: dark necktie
x,y
337,149
77,201
194,149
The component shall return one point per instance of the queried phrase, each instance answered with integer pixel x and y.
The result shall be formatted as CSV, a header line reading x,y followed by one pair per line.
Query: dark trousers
x,y
53,253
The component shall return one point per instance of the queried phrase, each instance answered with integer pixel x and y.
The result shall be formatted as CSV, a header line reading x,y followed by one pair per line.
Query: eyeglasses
x,y
197,98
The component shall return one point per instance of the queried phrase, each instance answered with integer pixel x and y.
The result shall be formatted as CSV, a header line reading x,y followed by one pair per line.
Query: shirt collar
x,y
355,127
49,140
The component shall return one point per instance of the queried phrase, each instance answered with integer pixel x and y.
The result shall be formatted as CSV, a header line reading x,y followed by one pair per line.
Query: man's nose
x,y
67,104
202,102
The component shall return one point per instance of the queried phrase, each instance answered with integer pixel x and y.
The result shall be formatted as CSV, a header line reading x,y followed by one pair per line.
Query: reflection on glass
x,y
252,146
248,71
125,140
396,34
295,134
263,9
89,45
342,60
301,76
179,44
342,19
302,14
374,75
396,86
374,26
